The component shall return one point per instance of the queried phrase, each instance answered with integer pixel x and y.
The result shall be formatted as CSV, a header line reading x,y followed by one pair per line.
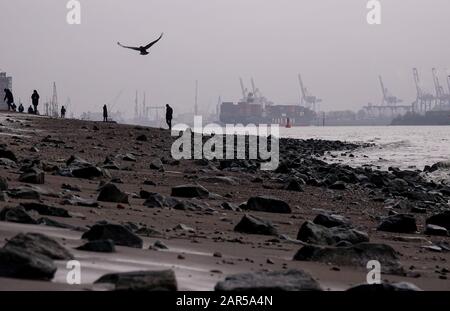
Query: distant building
x,y
5,83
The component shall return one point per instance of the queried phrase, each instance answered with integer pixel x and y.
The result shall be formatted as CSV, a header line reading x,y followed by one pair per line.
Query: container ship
x,y
254,108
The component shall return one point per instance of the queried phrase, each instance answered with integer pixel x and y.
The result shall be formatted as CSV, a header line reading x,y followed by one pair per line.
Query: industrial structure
x,y
5,83
307,100
144,114
389,107
254,108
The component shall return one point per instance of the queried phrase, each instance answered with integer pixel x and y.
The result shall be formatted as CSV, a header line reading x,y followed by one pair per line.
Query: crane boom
x,y
244,91
383,89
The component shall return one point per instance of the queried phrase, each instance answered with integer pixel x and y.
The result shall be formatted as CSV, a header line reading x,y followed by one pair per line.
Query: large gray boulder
x,y
254,225
289,280
17,215
19,263
317,234
117,233
111,193
190,191
39,244
141,281
268,204
356,256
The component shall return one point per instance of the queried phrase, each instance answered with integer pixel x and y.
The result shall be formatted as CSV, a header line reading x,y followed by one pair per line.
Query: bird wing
x,y
154,42
128,47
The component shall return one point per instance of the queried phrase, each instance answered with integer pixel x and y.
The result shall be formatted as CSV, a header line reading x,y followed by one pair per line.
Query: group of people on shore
x,y
32,109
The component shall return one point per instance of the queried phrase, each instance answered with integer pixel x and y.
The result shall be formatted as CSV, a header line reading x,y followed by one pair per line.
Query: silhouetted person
x,y
13,107
30,110
142,49
35,100
105,113
9,98
169,116
21,108
63,112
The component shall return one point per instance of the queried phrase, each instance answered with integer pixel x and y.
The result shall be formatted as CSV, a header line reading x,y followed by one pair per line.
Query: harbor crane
x,y
243,89
441,96
388,100
424,99
307,100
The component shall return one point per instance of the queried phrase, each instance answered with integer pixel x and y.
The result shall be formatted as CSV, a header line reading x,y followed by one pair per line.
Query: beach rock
x,y
399,185
293,185
3,184
320,235
384,287
101,246
268,204
183,227
356,256
190,191
230,207
289,280
331,220
338,185
3,196
19,263
87,172
435,230
17,215
110,193
78,201
45,210
117,233
156,164
7,163
141,281
160,245
223,180
149,182
7,154
401,223
254,225
154,200
439,165
40,244
142,138
442,219
81,168
129,158
53,223
33,176
24,193
71,187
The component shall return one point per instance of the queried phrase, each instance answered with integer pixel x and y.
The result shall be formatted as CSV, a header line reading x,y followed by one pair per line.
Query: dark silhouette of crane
x,y
307,100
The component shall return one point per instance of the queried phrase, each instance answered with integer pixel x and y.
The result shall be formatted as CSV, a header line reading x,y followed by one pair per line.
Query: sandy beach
x,y
206,248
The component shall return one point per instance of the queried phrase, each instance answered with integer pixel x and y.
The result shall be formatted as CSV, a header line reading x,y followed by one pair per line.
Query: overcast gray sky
x,y
216,41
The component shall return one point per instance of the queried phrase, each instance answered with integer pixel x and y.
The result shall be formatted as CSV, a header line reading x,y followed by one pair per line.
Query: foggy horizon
x,y
215,42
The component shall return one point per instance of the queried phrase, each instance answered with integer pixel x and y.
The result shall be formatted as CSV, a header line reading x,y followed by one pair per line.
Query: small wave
x,y
395,144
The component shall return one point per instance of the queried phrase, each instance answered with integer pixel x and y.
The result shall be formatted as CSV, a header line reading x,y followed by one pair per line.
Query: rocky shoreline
x,y
197,224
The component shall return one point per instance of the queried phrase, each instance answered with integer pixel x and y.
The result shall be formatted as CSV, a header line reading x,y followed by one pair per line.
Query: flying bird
x,y
142,49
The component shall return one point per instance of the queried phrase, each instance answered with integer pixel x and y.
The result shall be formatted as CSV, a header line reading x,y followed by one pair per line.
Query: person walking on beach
x,y
105,113
9,98
63,112
35,100
21,108
169,116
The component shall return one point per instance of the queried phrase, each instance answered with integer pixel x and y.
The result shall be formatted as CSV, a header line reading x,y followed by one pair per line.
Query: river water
x,y
404,147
